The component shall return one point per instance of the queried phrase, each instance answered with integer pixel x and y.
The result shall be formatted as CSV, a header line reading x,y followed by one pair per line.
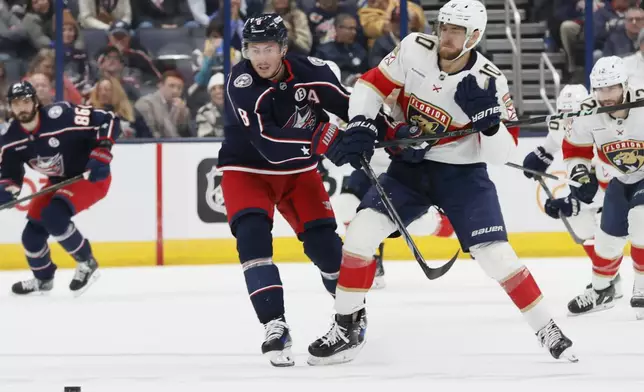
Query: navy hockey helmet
x,y
265,28
21,90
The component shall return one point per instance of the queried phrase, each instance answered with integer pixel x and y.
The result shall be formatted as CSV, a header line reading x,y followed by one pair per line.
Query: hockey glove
x,y
99,164
358,140
411,153
325,139
6,196
538,160
480,105
568,206
589,184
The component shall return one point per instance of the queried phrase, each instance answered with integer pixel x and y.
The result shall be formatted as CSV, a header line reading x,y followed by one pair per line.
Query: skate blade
x,y
595,309
570,355
341,357
379,283
42,293
639,313
92,279
282,358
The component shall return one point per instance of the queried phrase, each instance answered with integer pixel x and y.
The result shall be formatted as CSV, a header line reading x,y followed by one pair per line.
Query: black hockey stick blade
x,y
41,192
563,218
428,138
431,273
538,174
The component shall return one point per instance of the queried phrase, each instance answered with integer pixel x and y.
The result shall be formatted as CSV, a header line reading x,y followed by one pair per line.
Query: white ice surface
x,y
193,329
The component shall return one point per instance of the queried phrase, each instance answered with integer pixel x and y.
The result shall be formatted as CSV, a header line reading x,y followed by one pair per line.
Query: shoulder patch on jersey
x,y
55,111
243,80
316,61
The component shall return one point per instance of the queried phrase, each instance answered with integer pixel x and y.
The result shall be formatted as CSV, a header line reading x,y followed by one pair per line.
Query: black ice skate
x,y
342,343
277,344
637,303
592,301
85,275
617,282
379,280
556,342
32,286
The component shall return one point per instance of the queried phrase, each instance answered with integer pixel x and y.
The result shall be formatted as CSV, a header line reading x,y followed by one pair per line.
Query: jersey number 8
x,y
82,116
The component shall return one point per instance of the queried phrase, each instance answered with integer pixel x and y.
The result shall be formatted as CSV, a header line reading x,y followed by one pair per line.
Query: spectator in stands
x,y
385,44
322,18
76,64
622,41
297,24
203,10
159,13
11,35
236,21
100,14
210,120
110,64
350,56
138,64
109,95
37,23
4,105
164,111
375,18
635,63
44,88
44,62
211,60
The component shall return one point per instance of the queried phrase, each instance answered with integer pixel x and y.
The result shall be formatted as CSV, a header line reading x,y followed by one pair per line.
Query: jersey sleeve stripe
x,y
571,151
379,80
327,84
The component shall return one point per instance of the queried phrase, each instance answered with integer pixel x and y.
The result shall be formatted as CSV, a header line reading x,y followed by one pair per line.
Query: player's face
x,y
266,58
609,96
451,40
23,109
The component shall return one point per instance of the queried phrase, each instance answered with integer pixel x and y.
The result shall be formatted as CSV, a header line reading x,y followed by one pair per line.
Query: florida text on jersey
x,y
427,95
269,125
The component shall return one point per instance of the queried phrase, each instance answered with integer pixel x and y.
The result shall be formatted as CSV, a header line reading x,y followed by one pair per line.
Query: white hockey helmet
x,y
470,14
609,71
570,98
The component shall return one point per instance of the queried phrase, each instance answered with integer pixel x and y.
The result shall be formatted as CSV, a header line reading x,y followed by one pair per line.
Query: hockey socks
x,y
265,288
34,240
604,270
356,277
637,254
526,295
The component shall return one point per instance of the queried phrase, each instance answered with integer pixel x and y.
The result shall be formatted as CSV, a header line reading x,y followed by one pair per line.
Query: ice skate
x,y
342,343
86,274
556,342
617,282
637,303
379,280
277,344
33,286
592,301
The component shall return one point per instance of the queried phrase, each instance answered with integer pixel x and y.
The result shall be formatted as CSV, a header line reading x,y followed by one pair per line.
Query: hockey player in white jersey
x,y
445,85
583,217
618,139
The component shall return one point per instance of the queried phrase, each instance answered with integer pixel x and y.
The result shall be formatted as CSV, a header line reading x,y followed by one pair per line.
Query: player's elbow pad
x,y
497,148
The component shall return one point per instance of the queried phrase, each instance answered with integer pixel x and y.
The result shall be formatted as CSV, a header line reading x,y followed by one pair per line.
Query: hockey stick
x,y
563,218
518,123
49,189
544,174
431,273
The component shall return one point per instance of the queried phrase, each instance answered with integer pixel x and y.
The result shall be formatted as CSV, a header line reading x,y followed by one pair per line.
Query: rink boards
x,y
164,207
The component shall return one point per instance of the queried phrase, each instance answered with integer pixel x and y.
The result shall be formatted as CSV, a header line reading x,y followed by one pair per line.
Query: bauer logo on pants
x,y
210,204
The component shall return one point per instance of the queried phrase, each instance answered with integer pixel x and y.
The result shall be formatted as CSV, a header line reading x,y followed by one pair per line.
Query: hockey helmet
x,y
470,14
264,28
570,98
21,90
609,71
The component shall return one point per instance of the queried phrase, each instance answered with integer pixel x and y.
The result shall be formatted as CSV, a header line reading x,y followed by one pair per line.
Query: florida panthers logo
x,y
49,166
302,118
431,119
627,155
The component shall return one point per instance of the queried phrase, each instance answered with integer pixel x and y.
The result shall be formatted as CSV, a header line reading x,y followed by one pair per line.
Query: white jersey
x,y
619,143
427,100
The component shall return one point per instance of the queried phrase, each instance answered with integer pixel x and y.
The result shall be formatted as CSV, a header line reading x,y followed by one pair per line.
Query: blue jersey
x,y
269,125
60,145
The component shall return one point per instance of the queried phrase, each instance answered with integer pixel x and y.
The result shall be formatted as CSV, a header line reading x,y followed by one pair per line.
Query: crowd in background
x,y
618,27
158,63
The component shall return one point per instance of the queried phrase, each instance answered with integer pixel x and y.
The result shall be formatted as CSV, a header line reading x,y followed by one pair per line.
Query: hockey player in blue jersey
x,y
60,141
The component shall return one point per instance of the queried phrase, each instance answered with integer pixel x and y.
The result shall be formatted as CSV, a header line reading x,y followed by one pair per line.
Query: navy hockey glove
x,y
99,164
480,105
589,184
410,153
538,160
358,140
325,139
6,196
568,206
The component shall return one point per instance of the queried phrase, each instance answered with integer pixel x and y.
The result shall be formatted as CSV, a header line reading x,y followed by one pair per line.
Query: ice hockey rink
x,y
193,329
